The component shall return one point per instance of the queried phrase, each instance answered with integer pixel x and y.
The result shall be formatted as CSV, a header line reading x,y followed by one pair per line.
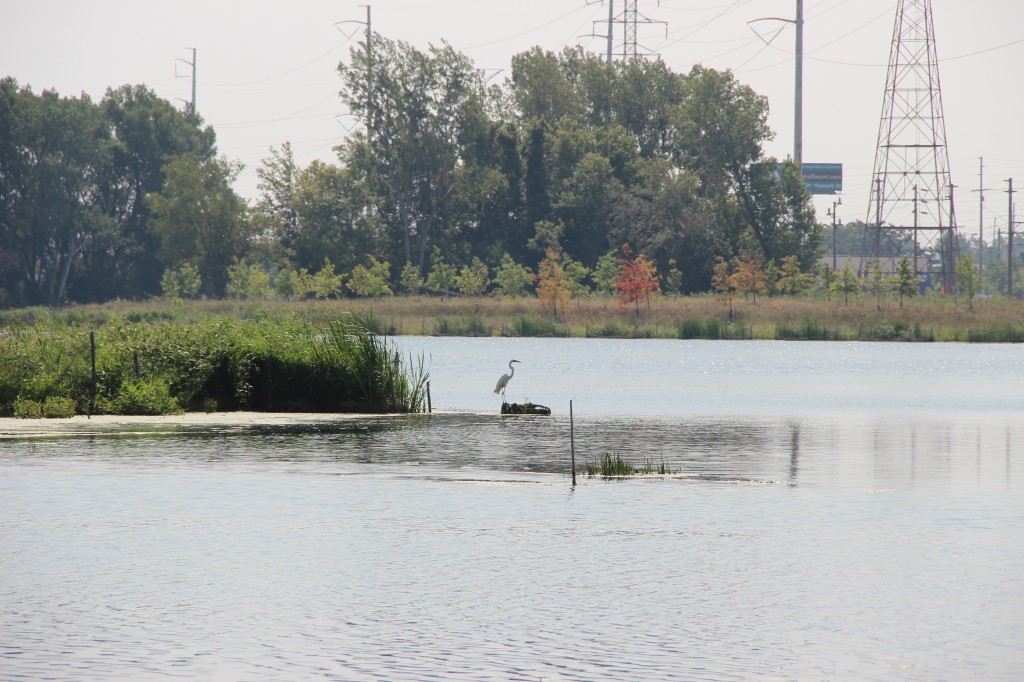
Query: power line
x,y
277,75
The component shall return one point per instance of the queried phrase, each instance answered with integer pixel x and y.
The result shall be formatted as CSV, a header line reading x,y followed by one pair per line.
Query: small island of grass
x,y
212,363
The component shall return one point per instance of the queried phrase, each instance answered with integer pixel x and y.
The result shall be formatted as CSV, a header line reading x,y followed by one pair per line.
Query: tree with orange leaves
x,y
553,286
637,280
748,276
722,281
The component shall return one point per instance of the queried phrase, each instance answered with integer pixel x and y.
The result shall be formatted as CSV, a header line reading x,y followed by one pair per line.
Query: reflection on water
x,y
863,543
827,450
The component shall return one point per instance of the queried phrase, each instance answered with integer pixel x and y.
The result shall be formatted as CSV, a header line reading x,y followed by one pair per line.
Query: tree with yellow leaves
x,y
748,276
553,286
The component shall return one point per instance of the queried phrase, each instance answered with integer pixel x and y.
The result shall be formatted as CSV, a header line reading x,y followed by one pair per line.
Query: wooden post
x,y
92,353
572,444
430,408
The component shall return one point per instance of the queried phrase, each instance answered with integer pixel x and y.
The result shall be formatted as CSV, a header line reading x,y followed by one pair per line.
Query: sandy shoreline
x,y
191,421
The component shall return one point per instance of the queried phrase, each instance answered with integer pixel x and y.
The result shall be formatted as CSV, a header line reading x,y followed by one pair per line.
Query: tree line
x,y
452,182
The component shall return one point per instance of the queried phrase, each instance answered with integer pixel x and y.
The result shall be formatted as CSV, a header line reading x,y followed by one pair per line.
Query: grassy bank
x,y
151,363
699,317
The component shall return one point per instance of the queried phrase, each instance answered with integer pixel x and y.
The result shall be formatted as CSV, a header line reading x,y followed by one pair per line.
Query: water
x,y
837,511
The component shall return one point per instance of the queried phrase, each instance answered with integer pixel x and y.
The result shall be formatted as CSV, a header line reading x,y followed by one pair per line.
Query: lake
x,y
833,511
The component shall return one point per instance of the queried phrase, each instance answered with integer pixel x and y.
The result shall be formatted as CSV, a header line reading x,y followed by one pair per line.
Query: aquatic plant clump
x,y
613,466
164,367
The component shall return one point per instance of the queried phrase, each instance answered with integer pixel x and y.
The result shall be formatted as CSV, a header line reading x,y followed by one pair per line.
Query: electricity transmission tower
x,y
911,191
630,18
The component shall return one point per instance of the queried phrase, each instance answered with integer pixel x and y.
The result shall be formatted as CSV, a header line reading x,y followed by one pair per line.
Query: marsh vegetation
x,y
148,365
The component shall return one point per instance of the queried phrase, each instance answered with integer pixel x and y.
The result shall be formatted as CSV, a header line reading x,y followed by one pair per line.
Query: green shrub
x,y
28,409
55,407
697,329
611,330
144,397
807,330
527,326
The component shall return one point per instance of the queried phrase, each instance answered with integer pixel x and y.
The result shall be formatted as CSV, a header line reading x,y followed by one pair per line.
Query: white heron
x,y
503,381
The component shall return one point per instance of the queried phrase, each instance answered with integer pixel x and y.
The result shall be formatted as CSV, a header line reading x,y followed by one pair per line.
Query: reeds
x,y
264,363
613,466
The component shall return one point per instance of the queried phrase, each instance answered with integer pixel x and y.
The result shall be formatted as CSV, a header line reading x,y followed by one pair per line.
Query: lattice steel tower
x,y
630,18
911,190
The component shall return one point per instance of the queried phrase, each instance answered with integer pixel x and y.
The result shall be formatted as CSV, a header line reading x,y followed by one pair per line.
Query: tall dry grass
x,y
931,318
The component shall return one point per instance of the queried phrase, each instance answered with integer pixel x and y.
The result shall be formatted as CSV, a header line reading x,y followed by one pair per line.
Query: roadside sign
x,y
822,178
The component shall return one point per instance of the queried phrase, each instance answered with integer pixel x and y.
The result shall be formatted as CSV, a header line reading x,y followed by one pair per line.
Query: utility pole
x,y
369,67
193,65
798,105
611,22
610,35
369,77
1009,242
981,216
832,213
798,89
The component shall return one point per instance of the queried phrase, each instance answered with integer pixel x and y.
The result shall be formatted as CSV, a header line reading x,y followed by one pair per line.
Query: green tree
x,y
826,279
330,202
511,278
291,284
906,280
473,279
199,218
371,280
791,280
967,278
417,105
722,125
276,208
443,275
846,283
576,276
540,88
537,196
674,278
879,284
606,272
55,154
584,205
326,284
248,281
410,279
183,282
147,132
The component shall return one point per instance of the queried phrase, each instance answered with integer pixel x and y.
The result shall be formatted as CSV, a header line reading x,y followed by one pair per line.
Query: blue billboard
x,y
822,178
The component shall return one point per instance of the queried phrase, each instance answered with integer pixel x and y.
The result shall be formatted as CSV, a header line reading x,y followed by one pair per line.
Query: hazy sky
x,y
267,69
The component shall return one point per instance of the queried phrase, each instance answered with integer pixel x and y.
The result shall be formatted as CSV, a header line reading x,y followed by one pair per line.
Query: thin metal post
x,y
572,444
92,353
